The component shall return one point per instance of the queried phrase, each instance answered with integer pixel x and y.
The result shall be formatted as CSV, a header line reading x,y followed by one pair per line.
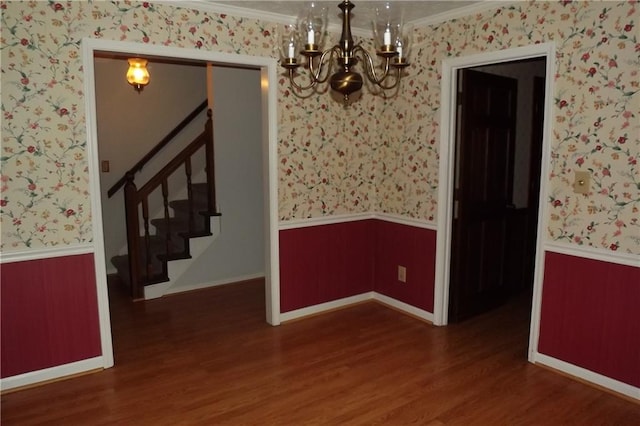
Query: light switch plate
x,y
582,182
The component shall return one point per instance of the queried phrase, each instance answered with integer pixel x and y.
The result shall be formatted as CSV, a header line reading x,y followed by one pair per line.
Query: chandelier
x,y
392,46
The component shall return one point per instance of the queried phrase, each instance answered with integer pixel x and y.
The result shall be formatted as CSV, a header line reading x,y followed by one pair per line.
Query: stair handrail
x,y
164,142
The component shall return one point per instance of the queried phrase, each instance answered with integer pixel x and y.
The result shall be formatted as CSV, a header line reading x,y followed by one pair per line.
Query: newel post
x,y
210,164
133,232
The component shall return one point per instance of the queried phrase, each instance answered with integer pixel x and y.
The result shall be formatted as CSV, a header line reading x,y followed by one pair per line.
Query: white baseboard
x,y
342,303
404,307
587,375
327,306
181,289
52,373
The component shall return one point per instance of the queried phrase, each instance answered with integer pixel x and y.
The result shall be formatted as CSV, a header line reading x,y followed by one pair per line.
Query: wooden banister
x,y
140,262
144,160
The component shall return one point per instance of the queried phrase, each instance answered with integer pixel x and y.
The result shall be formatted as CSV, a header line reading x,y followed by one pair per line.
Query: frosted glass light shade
x,y
137,74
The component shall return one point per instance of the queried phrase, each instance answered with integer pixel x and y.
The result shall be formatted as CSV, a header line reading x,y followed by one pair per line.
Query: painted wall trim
x,y
239,11
593,253
409,221
47,253
459,13
176,290
318,221
327,306
365,32
352,300
587,375
404,307
269,76
331,220
52,373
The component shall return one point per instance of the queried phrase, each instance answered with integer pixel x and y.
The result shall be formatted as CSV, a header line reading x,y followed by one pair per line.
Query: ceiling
x,y
363,13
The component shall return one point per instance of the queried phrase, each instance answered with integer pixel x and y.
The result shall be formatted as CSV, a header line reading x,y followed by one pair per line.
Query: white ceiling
x,y
363,13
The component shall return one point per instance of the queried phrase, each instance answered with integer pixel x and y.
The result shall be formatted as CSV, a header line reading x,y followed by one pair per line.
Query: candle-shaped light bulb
x,y
291,50
387,37
311,39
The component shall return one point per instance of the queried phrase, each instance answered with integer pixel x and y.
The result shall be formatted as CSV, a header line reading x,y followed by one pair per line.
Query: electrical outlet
x,y
402,274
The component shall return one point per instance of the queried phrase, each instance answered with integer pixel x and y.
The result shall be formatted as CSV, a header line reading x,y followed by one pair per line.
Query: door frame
x,y
269,82
448,125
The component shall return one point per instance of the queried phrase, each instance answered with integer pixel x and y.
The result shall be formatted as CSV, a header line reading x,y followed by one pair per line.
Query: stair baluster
x,y
147,239
210,165
187,171
165,202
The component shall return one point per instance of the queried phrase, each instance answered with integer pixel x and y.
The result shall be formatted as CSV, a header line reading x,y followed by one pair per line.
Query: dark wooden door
x,y
483,193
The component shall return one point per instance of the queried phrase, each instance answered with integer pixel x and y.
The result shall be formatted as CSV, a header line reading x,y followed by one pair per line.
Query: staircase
x,y
174,244
160,248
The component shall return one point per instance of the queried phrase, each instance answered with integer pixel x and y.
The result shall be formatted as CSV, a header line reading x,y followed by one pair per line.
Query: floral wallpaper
x,y
325,151
373,156
596,123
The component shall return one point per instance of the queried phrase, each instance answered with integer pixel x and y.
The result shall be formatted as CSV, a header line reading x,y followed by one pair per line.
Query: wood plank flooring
x,y
208,358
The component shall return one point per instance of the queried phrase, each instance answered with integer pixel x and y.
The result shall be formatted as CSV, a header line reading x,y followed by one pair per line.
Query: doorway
x,y
233,95
450,68
268,84
497,158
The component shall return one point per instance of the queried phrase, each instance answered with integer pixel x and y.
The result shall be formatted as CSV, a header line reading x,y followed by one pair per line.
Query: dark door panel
x,y
483,196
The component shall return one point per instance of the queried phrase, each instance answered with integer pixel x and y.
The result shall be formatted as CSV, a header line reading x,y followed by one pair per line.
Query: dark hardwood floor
x,y
208,357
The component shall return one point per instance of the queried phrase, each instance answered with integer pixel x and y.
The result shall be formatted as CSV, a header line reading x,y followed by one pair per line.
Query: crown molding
x,y
227,9
278,18
244,12
461,12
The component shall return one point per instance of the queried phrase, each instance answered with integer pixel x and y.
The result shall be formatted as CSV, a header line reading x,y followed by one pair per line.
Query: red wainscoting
x,y
328,262
415,249
324,263
49,314
590,316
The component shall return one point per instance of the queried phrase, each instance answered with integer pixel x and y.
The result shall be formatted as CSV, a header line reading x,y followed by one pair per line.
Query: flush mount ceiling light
x,y
392,46
137,74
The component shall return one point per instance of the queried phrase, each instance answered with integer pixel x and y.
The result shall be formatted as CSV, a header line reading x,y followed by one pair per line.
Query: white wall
x,y
524,72
239,251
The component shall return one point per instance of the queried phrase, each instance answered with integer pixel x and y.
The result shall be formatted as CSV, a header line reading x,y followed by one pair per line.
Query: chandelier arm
x,y
396,80
370,69
315,75
296,85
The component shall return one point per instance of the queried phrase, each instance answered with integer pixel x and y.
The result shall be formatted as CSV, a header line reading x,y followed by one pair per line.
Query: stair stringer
x,y
176,268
